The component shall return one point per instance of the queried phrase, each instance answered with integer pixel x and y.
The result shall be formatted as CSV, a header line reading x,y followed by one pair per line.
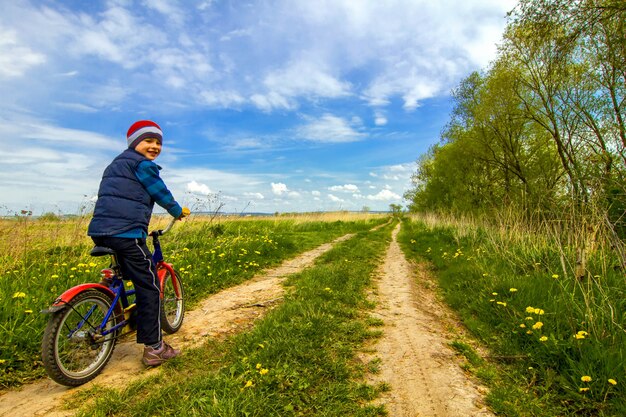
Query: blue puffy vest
x,y
123,203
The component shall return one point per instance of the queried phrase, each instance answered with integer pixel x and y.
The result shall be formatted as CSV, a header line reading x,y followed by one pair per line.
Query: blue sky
x,y
274,105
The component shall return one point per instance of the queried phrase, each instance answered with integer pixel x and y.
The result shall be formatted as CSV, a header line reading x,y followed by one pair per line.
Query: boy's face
x,y
149,147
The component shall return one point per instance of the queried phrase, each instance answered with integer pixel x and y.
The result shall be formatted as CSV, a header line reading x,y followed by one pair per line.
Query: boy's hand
x,y
186,212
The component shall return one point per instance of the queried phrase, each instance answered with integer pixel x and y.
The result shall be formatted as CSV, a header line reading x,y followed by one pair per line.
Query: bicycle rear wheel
x,y
172,303
73,348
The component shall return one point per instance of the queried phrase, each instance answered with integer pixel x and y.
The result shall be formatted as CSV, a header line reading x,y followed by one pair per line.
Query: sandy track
x,y
417,363
222,313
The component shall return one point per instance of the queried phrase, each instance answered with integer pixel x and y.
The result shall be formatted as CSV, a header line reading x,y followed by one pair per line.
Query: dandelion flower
x,y
263,371
530,309
555,276
581,334
19,294
513,290
583,389
539,311
503,304
2,361
585,378
28,311
612,381
538,325
523,326
494,293
249,383
543,338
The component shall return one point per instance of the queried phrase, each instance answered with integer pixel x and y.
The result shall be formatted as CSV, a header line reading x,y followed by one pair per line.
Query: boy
x,y
129,188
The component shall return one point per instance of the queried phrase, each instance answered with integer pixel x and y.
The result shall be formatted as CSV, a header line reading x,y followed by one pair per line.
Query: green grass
x,y
298,360
209,257
514,298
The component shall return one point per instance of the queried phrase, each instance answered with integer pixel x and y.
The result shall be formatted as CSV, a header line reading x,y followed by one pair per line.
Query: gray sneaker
x,y
155,357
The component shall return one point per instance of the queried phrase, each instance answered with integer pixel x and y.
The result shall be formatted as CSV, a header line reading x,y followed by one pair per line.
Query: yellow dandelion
x,y
555,276
529,332
54,276
249,383
513,290
583,389
543,338
530,309
19,294
523,326
2,361
263,371
261,345
539,311
581,334
494,293
538,325
612,381
28,311
503,304
585,378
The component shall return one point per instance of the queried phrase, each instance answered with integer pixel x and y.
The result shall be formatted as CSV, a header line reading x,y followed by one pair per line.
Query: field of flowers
x,y
557,342
43,258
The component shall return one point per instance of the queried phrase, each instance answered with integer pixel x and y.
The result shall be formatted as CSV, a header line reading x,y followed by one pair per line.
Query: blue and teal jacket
x,y
129,188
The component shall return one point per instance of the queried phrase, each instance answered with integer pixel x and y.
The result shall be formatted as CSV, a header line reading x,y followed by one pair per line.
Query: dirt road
x,y
424,376
421,369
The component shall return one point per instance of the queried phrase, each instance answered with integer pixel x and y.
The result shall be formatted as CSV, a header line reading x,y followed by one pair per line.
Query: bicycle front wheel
x,y
172,303
74,351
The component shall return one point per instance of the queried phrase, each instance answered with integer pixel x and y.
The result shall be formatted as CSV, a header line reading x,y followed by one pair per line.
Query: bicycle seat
x,y
101,251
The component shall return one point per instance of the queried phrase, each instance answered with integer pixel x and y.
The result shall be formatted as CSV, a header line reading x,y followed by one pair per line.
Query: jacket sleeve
x,y
148,175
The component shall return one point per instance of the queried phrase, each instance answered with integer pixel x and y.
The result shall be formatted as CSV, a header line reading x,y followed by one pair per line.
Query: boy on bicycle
x,y
129,188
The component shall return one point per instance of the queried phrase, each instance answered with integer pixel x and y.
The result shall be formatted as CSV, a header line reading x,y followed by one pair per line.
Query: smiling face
x,y
149,147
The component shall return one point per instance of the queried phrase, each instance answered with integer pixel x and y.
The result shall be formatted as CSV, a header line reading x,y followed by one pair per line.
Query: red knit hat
x,y
141,130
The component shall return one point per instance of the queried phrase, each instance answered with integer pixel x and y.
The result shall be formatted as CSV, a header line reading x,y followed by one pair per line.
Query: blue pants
x,y
136,264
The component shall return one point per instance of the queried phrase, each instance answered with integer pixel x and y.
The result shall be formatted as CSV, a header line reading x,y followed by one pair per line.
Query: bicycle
x,y
87,320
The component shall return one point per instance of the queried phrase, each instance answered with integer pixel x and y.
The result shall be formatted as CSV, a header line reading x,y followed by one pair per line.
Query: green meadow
x,y
545,341
555,341
43,258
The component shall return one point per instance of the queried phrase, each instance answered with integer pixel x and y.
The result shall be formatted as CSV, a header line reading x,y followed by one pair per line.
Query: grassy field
x,y
42,258
556,342
298,360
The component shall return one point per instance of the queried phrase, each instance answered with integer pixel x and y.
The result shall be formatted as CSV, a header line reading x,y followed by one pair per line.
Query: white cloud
x,y
384,195
279,188
306,78
329,129
349,188
335,199
197,188
257,196
16,59
380,119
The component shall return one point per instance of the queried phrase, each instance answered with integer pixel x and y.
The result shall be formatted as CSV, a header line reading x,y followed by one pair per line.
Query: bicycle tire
x,y
71,353
172,303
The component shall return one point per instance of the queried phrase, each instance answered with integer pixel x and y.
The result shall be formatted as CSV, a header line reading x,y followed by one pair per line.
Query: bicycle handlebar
x,y
185,213
163,231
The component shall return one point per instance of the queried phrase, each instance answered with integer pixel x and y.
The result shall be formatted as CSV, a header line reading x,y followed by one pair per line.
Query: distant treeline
x,y
542,129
